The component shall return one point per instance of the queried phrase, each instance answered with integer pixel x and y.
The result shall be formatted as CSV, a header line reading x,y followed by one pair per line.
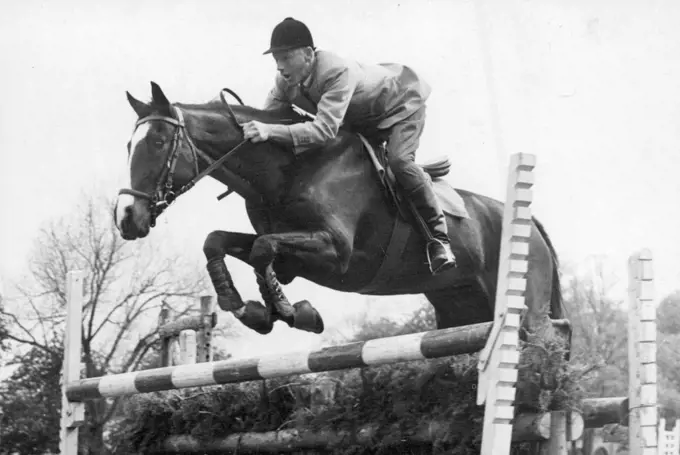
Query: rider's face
x,y
295,64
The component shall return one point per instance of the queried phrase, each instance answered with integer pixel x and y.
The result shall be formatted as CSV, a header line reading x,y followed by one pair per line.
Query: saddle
x,y
449,199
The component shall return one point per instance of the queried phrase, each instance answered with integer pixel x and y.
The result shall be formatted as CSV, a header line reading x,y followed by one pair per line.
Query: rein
x,y
164,195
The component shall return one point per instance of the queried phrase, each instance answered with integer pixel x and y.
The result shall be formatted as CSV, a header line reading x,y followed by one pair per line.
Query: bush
x,y
395,401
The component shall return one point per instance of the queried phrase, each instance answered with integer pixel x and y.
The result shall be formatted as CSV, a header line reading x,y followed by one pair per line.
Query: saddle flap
x,y
435,169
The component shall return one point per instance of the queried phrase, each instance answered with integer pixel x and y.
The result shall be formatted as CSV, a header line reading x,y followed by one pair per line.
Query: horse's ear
x,y
142,109
158,96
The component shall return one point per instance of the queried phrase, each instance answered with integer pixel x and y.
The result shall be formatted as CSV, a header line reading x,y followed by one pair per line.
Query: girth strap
x,y
391,260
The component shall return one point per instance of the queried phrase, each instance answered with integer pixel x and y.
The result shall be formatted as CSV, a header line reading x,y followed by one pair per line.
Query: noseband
x,y
164,195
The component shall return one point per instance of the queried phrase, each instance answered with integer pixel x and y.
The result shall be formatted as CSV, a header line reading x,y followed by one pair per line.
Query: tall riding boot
x,y
432,221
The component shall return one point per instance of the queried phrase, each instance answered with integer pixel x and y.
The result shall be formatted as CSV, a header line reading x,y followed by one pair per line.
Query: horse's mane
x,y
215,112
241,113
281,115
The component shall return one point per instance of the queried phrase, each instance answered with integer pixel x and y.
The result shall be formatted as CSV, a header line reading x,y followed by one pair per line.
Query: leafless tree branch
x,y
125,284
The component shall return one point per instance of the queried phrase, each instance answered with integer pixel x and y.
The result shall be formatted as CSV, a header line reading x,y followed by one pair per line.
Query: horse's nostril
x,y
128,211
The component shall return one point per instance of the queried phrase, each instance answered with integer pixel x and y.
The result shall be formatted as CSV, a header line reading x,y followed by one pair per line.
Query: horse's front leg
x,y
216,246
251,313
314,250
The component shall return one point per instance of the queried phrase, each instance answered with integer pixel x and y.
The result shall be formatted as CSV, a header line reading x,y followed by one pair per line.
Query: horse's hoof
x,y
285,278
257,317
307,318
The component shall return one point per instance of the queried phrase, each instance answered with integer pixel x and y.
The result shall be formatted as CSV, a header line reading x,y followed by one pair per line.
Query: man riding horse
x,y
380,100
314,198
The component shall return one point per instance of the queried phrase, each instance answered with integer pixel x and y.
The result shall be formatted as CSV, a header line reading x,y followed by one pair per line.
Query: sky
x,y
591,87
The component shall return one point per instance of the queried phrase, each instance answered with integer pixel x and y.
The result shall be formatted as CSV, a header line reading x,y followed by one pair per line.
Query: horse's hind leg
x,y
251,313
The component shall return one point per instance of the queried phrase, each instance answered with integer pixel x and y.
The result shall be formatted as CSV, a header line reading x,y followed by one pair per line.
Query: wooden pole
x,y
187,346
72,414
538,427
642,392
204,335
173,343
166,359
284,441
402,348
558,442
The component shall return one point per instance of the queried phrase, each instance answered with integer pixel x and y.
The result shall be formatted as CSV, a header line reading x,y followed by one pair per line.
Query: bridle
x,y
164,195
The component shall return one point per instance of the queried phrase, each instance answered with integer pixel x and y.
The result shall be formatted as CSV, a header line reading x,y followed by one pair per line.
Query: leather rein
x,y
164,195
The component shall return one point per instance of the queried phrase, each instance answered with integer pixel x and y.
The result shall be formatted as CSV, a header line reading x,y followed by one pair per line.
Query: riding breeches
x,y
402,143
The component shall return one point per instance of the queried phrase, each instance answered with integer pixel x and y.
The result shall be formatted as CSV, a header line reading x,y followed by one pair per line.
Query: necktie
x,y
308,104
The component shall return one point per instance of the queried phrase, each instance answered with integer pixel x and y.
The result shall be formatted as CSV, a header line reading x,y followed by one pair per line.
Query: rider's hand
x,y
256,131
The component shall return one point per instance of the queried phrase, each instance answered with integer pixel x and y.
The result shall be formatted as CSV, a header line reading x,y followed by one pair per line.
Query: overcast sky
x,y
592,87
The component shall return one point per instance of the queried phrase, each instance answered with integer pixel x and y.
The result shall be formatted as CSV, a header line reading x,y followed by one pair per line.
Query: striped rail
x,y
416,346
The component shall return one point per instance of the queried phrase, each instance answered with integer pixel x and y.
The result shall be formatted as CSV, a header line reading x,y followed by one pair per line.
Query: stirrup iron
x,y
450,259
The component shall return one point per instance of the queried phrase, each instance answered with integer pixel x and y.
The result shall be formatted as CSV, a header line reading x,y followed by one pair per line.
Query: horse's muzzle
x,y
132,217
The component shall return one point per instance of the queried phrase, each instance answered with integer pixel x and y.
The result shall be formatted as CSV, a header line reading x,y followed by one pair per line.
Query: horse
x,y
323,215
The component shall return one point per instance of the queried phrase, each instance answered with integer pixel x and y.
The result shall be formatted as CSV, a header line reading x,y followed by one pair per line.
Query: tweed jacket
x,y
344,92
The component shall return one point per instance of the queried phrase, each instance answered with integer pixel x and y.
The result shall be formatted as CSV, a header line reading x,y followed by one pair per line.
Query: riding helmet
x,y
290,34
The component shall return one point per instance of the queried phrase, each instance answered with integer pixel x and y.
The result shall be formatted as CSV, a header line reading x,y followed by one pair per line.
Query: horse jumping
x,y
324,216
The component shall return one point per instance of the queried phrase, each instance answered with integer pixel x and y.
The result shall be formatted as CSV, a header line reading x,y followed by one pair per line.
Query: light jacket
x,y
363,97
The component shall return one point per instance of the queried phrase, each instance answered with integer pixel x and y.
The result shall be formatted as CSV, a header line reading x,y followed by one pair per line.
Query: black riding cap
x,y
290,34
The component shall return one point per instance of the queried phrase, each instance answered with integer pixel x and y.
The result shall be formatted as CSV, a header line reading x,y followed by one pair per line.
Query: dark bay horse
x,y
323,216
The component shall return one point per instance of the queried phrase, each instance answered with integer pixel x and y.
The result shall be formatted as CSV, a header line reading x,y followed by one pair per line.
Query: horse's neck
x,y
261,170
254,170
264,166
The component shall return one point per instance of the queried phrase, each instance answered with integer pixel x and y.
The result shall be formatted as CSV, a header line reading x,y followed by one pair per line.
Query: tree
x,y
422,319
599,339
668,325
3,320
668,314
124,287
29,405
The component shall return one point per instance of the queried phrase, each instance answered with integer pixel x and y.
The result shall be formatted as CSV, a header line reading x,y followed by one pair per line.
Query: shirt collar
x,y
308,81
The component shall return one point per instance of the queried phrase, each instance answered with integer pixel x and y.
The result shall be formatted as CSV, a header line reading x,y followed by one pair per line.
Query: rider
x,y
387,99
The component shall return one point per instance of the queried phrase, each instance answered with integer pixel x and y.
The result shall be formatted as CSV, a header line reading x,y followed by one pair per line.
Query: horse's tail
x,y
557,308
